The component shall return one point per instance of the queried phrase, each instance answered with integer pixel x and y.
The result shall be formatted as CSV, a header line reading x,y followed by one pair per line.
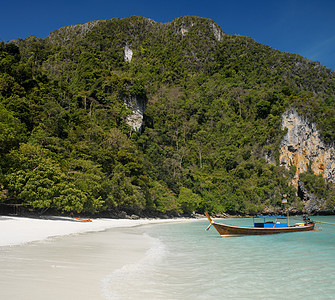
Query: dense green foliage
x,y
316,185
213,112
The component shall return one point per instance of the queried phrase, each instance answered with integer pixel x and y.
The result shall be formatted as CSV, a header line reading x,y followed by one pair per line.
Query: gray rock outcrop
x,y
311,202
137,106
128,54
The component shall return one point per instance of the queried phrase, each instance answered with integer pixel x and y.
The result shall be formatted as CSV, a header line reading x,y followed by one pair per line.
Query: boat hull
x,y
224,229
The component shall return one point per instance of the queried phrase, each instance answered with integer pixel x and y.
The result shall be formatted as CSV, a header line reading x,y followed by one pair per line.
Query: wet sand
x,y
70,267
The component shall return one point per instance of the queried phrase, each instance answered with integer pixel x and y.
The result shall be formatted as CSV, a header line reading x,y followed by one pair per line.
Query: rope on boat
x,y
324,222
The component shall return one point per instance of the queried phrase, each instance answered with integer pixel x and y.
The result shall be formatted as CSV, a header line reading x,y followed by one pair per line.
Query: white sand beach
x,y
63,258
18,230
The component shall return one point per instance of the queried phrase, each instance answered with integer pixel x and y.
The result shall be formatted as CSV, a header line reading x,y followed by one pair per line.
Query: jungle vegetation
x,y
213,109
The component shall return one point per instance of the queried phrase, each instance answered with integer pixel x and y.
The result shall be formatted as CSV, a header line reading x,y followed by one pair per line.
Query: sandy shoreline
x,y
74,266
20,230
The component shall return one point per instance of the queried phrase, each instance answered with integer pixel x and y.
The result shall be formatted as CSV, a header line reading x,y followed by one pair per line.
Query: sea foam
x,y
126,282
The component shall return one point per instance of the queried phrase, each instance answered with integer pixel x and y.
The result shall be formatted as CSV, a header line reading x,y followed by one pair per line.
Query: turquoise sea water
x,y
187,262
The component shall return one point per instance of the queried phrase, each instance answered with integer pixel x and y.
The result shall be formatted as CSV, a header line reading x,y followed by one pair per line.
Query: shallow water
x,y
70,267
173,261
186,262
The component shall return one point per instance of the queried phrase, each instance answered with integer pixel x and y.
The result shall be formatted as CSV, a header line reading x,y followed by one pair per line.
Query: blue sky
x,y
305,27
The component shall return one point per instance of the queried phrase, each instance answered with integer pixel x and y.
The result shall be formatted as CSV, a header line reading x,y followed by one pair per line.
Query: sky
x,y
304,27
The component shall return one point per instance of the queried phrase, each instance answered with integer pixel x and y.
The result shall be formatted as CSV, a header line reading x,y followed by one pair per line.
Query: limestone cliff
x,y
303,146
183,25
72,32
128,54
137,106
312,203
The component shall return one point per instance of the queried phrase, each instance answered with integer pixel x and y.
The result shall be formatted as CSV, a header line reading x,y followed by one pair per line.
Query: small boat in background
x,y
83,220
262,225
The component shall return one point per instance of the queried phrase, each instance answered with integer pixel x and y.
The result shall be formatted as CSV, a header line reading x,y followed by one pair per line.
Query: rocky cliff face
x,y
128,54
72,32
302,146
183,25
137,106
311,202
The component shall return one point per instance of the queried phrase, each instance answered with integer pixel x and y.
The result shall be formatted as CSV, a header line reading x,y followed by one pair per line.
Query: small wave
x,y
134,277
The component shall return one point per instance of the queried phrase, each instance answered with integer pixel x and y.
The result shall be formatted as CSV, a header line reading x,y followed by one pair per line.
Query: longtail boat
x,y
262,225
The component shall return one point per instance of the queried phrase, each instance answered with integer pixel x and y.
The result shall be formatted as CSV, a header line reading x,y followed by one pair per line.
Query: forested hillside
x,y
213,106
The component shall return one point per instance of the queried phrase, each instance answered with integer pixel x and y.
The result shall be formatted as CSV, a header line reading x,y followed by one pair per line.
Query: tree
x,y
37,180
11,130
163,199
187,200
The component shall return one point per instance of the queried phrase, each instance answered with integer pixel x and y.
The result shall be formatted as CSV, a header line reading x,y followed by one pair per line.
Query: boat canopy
x,y
271,217
270,221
